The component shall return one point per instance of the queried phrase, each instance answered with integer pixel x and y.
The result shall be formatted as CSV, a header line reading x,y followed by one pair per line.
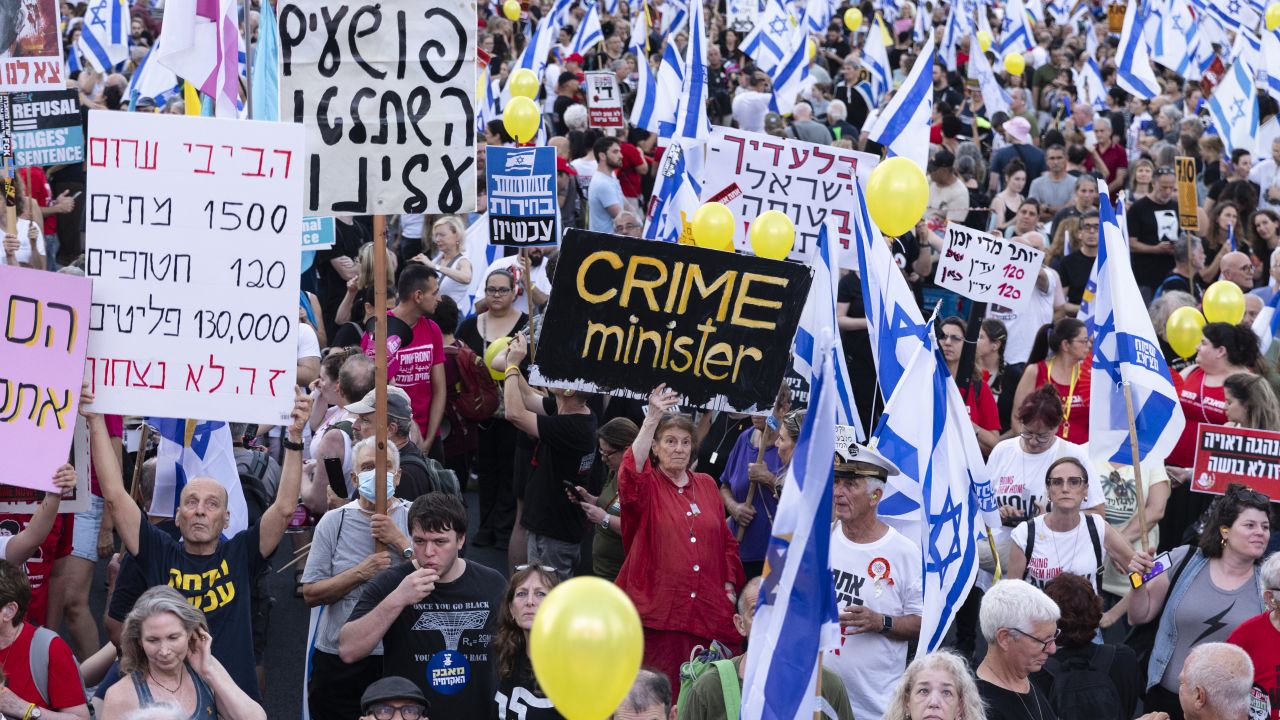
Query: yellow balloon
x,y
1223,302
984,40
853,19
1183,330
772,235
521,119
713,227
491,352
586,646
1014,63
1273,16
813,48
897,194
511,8
523,83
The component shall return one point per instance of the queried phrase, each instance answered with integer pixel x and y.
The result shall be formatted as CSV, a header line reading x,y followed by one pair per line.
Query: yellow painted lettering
x,y
599,256
631,282
745,299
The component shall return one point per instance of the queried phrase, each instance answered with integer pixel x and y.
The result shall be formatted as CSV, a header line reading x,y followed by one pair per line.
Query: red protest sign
x,y
1226,455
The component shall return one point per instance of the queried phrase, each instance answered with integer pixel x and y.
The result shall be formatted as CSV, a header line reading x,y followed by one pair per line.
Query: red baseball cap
x,y
574,58
563,165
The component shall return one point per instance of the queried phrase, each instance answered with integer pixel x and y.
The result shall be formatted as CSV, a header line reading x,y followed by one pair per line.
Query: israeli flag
x,y
670,84
692,123
152,80
791,77
674,18
1089,86
1133,65
481,255
903,126
817,16
104,36
644,106
1267,325
952,31
588,33
770,42
1015,31
875,58
1271,63
924,21
1234,15
1177,44
536,52
1126,351
820,312
675,196
994,96
190,450
1233,108
796,616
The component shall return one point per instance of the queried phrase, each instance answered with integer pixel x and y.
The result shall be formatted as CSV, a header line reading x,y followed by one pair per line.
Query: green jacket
x,y
706,697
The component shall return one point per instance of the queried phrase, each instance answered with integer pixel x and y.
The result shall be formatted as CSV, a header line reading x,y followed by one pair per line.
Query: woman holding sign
x,y
682,569
1067,370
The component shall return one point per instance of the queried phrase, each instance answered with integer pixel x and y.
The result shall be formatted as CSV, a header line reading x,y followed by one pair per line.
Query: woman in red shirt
x,y
981,403
682,569
1067,369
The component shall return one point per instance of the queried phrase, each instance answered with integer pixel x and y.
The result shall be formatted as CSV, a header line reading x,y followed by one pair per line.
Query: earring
x,y
1224,538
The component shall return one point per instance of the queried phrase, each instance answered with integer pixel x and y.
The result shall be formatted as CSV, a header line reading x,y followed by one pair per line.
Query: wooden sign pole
x,y
380,362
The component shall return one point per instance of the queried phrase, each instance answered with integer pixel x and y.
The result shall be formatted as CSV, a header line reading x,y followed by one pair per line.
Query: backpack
x,y
700,661
252,469
1093,537
442,479
1082,687
475,395
38,663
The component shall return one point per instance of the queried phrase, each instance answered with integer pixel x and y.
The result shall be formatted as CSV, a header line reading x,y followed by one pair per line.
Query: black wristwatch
x,y
888,625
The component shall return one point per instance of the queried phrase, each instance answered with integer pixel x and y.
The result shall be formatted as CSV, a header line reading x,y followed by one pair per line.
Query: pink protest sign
x,y
43,316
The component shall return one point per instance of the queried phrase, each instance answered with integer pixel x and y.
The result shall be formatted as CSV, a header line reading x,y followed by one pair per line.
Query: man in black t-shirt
x,y
336,266
851,316
435,615
1153,226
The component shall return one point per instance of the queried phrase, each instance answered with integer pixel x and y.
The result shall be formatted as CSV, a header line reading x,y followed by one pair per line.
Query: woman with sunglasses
x,y
1065,539
1066,370
1207,590
518,696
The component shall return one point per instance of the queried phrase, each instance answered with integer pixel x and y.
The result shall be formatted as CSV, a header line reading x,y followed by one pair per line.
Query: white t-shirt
x,y
885,576
1018,476
1122,504
23,256
1025,323
4,547
1062,552
749,109
411,225
539,279
308,343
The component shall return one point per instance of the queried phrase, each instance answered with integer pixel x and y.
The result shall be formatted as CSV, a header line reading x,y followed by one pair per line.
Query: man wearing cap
x,y
948,197
566,95
393,697
1018,131
878,580
414,478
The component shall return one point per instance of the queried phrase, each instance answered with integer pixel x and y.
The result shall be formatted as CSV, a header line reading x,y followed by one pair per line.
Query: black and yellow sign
x,y
626,315
1188,219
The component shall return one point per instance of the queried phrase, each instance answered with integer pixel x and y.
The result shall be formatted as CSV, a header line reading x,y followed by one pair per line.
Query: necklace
x,y
1034,700
162,686
1067,402
1053,540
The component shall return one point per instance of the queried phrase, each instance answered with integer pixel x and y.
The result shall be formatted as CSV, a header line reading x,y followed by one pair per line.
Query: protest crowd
x,y
653,361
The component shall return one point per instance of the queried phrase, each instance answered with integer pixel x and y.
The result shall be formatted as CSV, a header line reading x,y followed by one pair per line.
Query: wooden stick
x,y
751,487
528,294
1137,466
380,362
295,560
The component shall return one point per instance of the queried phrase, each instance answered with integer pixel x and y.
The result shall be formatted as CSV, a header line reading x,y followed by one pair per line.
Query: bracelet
x,y
510,370
30,708
290,445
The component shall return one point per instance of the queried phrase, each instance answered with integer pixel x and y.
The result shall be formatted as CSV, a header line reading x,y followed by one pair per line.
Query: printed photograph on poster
x,y
25,501
988,269
604,102
195,295
1226,455
46,128
347,67
30,46
524,209
628,314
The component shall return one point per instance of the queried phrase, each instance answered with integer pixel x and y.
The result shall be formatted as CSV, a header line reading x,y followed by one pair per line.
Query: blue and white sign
x,y
524,210
448,671
47,129
317,232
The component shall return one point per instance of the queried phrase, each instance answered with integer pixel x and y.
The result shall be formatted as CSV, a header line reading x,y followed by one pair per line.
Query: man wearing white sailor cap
x,y
877,578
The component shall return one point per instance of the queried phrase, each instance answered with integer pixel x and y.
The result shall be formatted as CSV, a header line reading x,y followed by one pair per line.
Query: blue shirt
x,y
603,192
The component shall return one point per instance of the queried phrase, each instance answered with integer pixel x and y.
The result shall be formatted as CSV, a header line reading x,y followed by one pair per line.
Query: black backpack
x,y
441,478
252,468
1093,538
1082,687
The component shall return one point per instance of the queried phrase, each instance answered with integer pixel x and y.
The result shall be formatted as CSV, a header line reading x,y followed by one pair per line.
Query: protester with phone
x,y
604,510
346,376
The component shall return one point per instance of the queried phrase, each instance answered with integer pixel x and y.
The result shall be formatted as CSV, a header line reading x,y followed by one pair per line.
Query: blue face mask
x,y
367,489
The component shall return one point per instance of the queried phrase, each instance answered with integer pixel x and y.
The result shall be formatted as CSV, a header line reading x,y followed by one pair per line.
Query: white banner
x,y
988,269
753,172
387,94
192,245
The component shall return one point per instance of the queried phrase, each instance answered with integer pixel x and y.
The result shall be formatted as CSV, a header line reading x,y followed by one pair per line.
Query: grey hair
x,y
393,452
1271,573
1163,306
163,711
575,117
837,111
1015,604
802,111
966,687
1275,254
971,149
1182,249
1172,112
650,688
157,600
751,588
629,214
1225,673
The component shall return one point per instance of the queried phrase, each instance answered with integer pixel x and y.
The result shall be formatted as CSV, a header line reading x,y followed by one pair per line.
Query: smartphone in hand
x,y
1159,565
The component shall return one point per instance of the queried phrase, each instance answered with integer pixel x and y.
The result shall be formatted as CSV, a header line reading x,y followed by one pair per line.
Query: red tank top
x,y
1075,400
1200,404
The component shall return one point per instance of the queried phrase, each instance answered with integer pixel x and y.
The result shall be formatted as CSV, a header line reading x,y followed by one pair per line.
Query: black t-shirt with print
x,y
1074,269
566,450
219,584
443,642
1151,223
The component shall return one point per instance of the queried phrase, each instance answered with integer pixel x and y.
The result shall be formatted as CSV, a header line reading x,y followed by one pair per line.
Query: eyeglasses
x,y
626,226
1164,171
608,454
497,291
543,568
1091,227
952,338
1044,644
1073,481
1038,437
408,712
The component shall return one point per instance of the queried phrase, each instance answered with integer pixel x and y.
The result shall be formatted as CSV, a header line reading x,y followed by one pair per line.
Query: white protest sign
x,y
988,269
753,172
846,442
386,91
604,102
192,245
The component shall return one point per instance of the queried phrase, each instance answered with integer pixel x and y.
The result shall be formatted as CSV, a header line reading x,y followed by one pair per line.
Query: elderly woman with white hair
x,y
938,686
1259,636
168,660
1020,624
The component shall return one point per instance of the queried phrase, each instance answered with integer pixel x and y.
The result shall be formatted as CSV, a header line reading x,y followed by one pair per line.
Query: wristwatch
x,y
407,553
604,521
32,712
888,625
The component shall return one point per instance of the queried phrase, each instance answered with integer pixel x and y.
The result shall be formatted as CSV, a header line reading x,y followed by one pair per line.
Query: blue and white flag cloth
x,y
104,36
817,16
769,42
903,126
1133,62
994,96
692,124
923,24
644,107
1267,325
669,84
1234,15
675,196
181,458
1015,32
1126,350
1177,43
796,617
792,76
1270,75
875,58
820,312
1089,85
1035,8
266,67
589,32
1233,108
481,255
673,18
152,80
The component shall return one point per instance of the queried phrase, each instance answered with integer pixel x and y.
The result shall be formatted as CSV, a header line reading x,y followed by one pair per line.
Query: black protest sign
x,y
386,91
626,315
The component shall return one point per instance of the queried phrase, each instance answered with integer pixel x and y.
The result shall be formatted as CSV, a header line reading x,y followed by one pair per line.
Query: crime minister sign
x,y
1226,455
626,315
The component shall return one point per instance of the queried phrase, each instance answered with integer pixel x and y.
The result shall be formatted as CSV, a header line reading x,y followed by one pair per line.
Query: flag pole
x,y
248,61
528,295
380,363
1137,465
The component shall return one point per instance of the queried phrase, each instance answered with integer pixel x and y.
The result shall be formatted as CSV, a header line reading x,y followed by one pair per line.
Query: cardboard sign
x,y
846,440
626,315
604,102
46,128
31,56
317,233
25,501
524,210
988,269
42,355
386,91
1226,455
192,243
1188,218
754,172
